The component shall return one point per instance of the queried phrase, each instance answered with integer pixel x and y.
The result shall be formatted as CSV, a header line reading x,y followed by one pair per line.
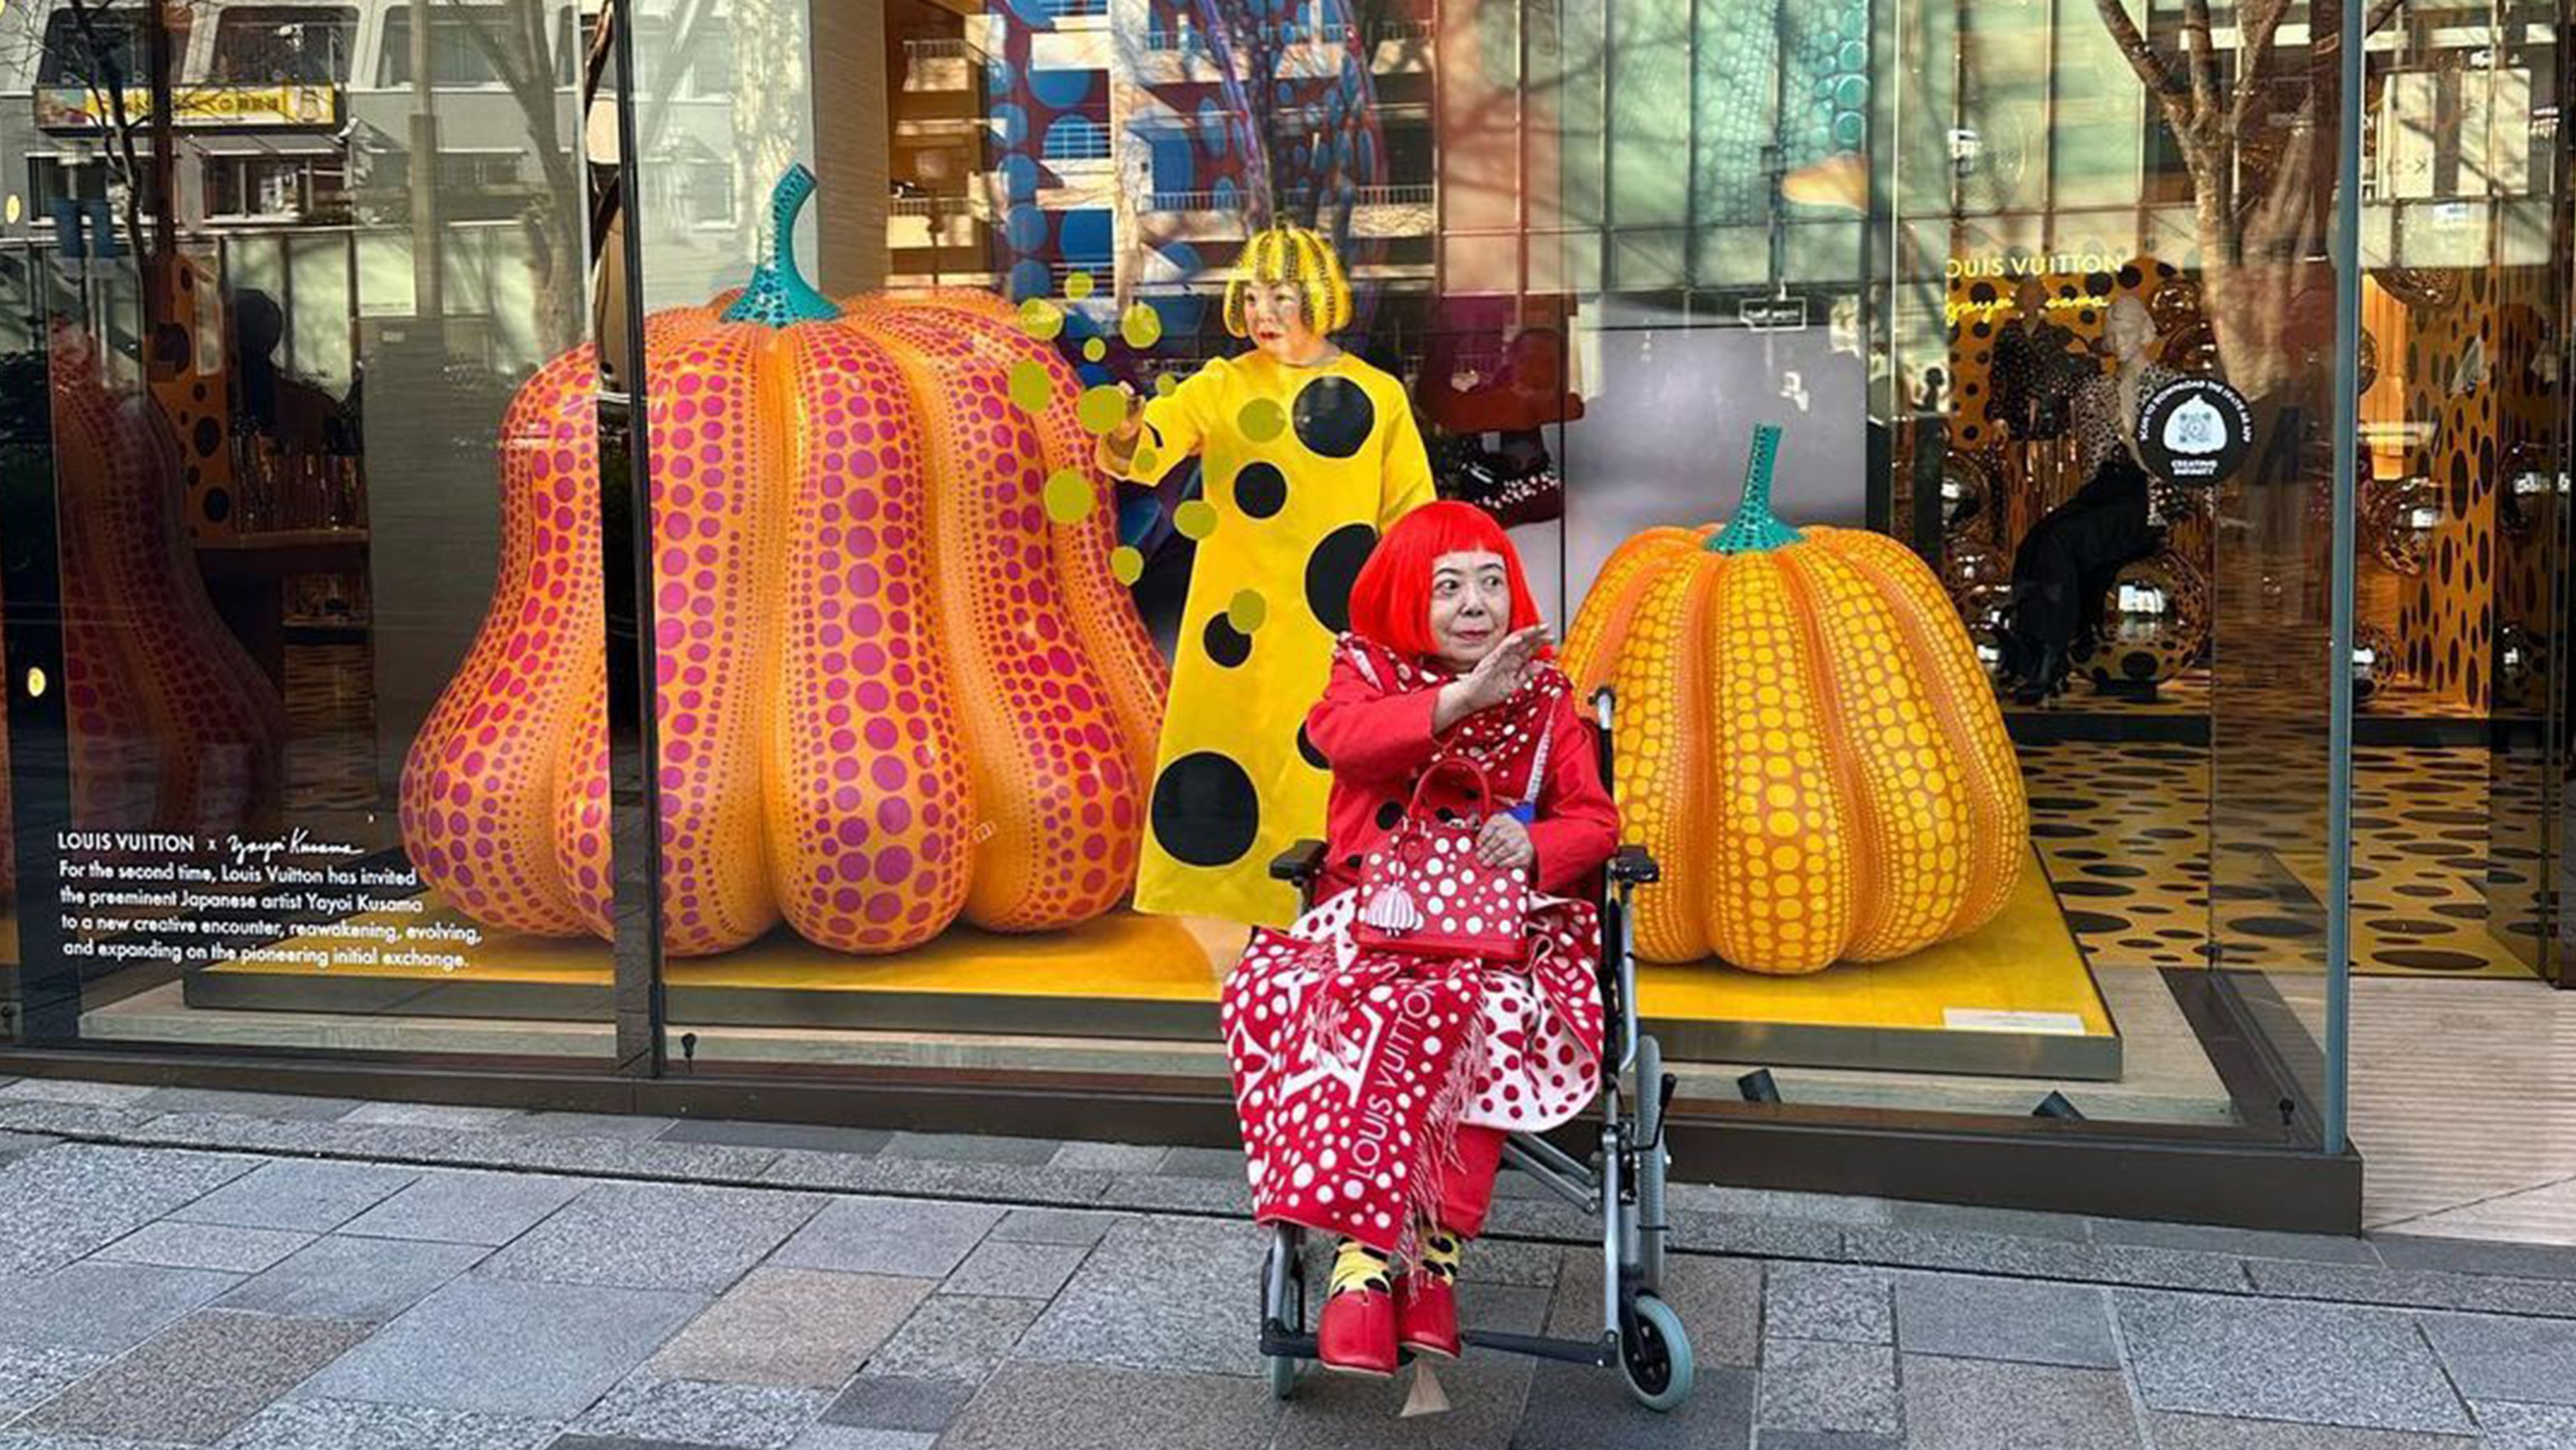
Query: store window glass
x,y
2028,799
308,407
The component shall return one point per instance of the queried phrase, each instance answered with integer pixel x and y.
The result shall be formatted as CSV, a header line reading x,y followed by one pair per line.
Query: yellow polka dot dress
x,y
1304,468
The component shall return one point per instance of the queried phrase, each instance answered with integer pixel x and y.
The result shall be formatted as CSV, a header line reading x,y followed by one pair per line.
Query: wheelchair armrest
x,y
1299,864
1630,865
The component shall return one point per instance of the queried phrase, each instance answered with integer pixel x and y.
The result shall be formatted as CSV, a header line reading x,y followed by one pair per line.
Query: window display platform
x,y
2015,999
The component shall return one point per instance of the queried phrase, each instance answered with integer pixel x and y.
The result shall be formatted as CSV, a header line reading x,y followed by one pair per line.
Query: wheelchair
x,y
1623,1183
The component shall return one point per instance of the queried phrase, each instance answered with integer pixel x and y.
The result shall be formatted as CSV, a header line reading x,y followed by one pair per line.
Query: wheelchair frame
x,y
1624,1182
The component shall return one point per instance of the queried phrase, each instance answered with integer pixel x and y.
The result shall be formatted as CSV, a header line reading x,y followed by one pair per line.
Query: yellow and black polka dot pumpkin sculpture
x,y
1805,741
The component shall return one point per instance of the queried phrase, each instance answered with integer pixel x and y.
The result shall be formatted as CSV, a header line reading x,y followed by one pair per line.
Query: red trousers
x,y
1469,1189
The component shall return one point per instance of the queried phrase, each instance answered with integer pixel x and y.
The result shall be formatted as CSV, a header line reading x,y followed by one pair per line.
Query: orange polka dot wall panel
x,y
894,687
1804,740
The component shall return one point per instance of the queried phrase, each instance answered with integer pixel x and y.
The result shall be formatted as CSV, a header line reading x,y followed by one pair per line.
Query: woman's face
x,y
2128,330
1275,312
1471,606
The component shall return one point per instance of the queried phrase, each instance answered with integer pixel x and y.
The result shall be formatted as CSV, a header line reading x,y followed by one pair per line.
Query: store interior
x,y
333,563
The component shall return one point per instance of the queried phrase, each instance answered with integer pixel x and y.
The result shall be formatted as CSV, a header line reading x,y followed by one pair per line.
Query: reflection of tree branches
x,y
514,39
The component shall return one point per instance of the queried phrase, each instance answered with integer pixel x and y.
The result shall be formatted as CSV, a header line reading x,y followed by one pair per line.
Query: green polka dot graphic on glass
x,y
1141,326
1031,387
1247,610
1068,496
1078,286
1041,319
1262,419
1195,520
1125,564
1102,408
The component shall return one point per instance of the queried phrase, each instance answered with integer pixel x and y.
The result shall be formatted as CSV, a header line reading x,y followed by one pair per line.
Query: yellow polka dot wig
x,y
1293,255
1805,741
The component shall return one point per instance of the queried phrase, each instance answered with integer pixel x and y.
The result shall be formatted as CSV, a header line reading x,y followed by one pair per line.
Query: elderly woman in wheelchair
x,y
1378,1066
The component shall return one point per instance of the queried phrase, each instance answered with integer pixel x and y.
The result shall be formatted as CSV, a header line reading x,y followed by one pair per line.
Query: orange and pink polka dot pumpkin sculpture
x,y
894,686
1805,741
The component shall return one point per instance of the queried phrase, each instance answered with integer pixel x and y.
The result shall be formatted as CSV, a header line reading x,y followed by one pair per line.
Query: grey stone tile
x,y
1506,1308
1819,1385
695,1412
629,1127
2507,1359
75,1090
197,1380
2417,1288
1966,1404
2046,1258
934,1178
1201,1312
1066,1407
1828,1301
177,1245
955,1337
1737,1233
912,1237
2245,1243
899,1402
467,1207
1532,1218
1969,1219
1511,1261
2025,1320
848,1437
795,1328
616,1157
1167,1193
38,1440
2213,1432
102,1308
1578,1406
1110,1157
31,1374
1015,1270
542,1351
2269,1360
744,1133
1827,1440
347,1424
2475,1256
71,1200
974,1148
1222,1163
249,1105
1834,1208
1487,1394
364,1280
1719,1300
1079,1227
655,1236
2527,1427
18,1145
458,1116
313,1196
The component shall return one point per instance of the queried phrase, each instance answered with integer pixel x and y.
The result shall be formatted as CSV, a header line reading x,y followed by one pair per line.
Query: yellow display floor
x,y
2012,999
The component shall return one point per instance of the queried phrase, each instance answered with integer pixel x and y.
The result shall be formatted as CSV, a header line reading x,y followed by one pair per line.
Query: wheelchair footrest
x,y
1573,1351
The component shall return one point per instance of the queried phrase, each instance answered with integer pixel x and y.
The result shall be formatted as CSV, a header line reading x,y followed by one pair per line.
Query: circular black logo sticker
x,y
2195,430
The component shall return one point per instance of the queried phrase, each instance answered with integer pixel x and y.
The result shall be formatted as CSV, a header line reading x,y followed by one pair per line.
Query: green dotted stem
x,y
1755,529
778,294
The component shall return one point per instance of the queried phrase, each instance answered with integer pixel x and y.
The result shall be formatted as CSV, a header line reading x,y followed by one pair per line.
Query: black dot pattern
x,y
1307,752
1332,417
1260,490
1332,569
1205,811
1225,644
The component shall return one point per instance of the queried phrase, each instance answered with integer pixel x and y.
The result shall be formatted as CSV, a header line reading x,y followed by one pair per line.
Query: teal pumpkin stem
x,y
1755,529
778,294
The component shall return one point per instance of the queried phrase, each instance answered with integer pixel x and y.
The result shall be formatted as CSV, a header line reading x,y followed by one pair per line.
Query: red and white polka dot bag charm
x,y
1422,890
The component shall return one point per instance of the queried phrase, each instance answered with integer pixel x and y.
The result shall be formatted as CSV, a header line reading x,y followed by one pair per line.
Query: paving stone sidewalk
x,y
188,1268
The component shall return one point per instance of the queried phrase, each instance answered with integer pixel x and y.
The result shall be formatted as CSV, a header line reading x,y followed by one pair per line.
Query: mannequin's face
x,y
1471,606
2129,331
1275,313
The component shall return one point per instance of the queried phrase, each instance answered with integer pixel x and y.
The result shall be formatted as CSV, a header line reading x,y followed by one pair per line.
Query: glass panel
x,y
328,678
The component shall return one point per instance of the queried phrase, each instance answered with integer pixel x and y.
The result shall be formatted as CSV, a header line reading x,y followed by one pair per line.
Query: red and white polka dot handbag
x,y
1422,889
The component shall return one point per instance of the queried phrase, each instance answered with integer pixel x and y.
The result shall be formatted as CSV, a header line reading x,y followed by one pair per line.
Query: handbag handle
x,y
1475,772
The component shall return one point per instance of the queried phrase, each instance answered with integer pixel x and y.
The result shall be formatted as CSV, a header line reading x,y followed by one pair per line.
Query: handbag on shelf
x,y
1422,889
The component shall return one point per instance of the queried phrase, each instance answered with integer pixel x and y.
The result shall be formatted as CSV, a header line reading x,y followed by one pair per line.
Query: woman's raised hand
x,y
1495,678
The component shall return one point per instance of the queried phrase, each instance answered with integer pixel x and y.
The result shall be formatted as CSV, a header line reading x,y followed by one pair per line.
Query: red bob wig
x,y
1391,599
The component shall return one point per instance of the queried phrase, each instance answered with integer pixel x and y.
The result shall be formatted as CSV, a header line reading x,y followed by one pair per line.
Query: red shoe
x,y
1426,1315
1356,1334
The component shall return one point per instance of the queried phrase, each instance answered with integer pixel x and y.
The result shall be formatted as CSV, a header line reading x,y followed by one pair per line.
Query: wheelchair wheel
x,y
1283,1298
1655,1354
1650,1165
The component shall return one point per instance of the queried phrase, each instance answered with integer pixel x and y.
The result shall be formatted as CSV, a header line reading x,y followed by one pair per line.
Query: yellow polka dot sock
x,y
1358,1266
1440,1252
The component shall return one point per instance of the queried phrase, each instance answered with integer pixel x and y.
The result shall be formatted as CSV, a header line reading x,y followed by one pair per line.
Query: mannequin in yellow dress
x,y
1307,455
